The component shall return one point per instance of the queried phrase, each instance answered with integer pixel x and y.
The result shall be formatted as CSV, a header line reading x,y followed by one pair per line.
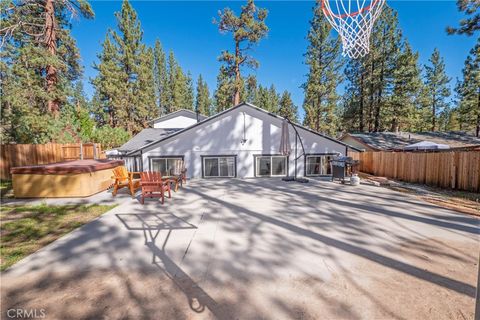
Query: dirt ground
x,y
227,257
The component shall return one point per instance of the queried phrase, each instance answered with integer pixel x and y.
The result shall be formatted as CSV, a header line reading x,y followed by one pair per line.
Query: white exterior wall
x,y
223,135
174,123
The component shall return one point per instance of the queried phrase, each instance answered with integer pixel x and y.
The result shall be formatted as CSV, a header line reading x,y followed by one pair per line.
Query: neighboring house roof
x,y
145,137
392,140
178,113
230,110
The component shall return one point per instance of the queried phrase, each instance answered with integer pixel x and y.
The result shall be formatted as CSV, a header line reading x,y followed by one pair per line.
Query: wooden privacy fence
x,y
14,155
457,169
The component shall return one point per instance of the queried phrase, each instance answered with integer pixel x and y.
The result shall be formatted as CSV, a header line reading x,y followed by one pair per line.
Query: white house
x,y
242,142
177,120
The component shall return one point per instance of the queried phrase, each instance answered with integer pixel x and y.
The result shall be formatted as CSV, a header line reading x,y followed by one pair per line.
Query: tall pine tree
x,y
40,63
224,92
324,62
402,111
286,107
125,83
368,104
161,78
436,84
468,91
202,101
247,30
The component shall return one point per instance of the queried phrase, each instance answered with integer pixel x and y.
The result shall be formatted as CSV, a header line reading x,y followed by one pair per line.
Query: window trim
x,y
255,156
316,155
216,156
150,158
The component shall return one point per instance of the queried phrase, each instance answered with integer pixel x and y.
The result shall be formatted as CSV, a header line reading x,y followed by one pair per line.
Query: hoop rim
x,y
356,13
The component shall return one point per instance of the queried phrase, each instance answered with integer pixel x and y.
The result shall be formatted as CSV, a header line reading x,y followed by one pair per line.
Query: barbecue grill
x,y
343,167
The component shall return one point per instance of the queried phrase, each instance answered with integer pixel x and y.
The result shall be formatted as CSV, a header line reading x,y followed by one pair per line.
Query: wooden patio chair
x,y
153,186
178,174
124,178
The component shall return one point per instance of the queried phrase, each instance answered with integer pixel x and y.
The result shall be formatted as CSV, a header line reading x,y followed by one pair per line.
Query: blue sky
x,y
186,28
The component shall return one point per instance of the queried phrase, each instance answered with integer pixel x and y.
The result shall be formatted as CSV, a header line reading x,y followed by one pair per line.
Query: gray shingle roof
x,y
391,140
146,136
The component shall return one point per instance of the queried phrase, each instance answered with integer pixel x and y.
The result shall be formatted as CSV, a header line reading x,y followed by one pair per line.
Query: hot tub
x,y
78,178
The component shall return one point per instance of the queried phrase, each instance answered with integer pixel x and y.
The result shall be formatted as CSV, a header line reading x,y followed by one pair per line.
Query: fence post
x,y
81,151
95,151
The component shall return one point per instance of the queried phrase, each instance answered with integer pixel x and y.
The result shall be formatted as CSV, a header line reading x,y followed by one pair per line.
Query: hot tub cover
x,y
68,167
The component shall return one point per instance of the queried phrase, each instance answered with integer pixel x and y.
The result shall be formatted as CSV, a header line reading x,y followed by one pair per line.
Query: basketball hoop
x,y
353,20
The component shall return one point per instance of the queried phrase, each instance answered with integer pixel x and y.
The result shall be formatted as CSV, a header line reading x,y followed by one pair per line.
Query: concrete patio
x,y
263,248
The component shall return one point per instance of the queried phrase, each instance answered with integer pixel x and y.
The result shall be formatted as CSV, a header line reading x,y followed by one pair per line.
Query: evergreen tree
x,y
39,65
274,99
263,98
353,102
247,29
161,78
468,92
470,24
202,102
407,83
144,89
125,83
371,79
223,93
268,99
180,90
324,62
448,119
251,89
172,82
286,108
109,84
43,28
436,83
190,94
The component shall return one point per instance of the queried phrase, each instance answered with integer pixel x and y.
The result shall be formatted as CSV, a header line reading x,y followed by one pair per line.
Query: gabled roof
x,y
392,140
182,112
145,137
230,110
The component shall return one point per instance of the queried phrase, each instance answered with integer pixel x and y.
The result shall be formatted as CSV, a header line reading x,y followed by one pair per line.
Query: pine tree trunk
x,y
372,91
379,100
51,44
477,131
236,98
434,113
362,124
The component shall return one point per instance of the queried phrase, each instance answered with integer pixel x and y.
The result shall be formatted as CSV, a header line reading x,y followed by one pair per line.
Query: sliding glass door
x,y
318,165
270,166
219,166
165,165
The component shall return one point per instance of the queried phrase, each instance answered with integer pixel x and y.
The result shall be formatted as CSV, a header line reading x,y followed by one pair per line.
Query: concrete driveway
x,y
244,249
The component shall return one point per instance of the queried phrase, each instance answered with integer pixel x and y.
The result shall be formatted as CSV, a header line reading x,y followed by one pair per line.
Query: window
x,y
218,166
271,166
165,165
318,165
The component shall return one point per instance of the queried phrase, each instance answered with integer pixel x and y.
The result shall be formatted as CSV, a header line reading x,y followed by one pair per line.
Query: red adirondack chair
x,y
153,186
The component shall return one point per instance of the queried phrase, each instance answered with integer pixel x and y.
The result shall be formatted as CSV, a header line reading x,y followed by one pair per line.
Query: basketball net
x,y
353,20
